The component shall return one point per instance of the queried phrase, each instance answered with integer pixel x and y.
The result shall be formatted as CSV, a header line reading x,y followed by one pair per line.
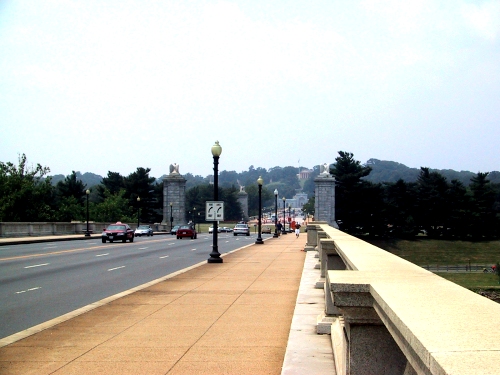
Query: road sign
x,y
214,211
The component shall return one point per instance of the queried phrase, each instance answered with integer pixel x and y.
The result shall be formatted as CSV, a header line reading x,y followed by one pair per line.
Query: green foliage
x,y
71,187
114,207
70,209
354,204
25,195
309,206
198,195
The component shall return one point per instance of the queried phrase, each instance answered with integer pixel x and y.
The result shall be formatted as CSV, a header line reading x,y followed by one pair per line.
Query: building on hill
x,y
304,174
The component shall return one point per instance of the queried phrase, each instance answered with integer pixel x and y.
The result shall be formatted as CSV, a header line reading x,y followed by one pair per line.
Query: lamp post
x,y
275,213
284,215
87,193
138,211
260,181
194,217
171,217
289,216
215,255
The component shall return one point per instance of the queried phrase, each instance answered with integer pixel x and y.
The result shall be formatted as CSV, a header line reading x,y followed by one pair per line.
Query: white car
x,y
211,229
143,230
241,229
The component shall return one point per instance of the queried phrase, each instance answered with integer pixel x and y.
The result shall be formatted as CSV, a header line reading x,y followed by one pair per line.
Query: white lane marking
x,y
116,268
171,244
102,255
142,248
193,249
166,256
38,265
29,290
50,247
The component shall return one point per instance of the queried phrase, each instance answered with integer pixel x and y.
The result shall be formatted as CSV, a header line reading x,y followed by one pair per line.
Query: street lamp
x,y
284,215
138,211
289,209
215,255
87,193
171,217
275,213
260,181
194,217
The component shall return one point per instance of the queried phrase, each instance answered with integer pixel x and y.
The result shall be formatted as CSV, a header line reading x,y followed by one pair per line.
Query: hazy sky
x,y
98,86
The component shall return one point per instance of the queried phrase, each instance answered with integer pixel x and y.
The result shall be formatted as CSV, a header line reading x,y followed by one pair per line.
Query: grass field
x,y
424,251
473,280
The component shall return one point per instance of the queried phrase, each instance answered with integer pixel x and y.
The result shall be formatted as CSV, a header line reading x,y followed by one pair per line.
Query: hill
x,y
89,179
382,171
390,171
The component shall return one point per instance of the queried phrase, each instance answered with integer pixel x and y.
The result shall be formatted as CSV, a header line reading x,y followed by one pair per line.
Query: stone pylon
x,y
174,197
243,199
324,205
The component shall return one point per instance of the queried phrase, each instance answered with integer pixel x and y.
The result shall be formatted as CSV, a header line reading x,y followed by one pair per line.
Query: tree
x,y
484,222
400,203
115,207
232,208
458,216
111,185
352,209
433,203
25,195
198,195
139,185
309,206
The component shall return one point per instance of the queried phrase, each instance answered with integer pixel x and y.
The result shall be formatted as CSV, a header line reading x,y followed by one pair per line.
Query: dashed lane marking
x,y
116,268
28,290
37,265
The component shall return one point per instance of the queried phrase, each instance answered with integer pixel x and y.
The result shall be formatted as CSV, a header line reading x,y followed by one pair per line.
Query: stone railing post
x,y
370,347
312,238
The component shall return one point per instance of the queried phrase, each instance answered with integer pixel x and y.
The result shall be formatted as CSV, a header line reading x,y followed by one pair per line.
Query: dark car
x,y
174,229
186,231
117,232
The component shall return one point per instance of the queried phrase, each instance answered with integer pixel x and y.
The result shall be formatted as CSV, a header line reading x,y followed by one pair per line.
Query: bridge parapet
x,y
393,317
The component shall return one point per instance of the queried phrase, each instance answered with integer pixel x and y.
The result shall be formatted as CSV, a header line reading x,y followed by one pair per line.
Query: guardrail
x,y
389,316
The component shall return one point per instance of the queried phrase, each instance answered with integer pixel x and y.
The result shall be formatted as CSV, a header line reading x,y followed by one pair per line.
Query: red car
x,y
117,232
186,231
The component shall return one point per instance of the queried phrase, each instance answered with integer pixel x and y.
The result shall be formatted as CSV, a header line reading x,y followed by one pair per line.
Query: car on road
x,y
228,229
241,229
116,232
143,230
211,229
174,229
186,230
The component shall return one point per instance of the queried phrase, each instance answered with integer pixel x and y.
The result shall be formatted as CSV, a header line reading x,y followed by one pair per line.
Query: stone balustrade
x,y
389,316
58,228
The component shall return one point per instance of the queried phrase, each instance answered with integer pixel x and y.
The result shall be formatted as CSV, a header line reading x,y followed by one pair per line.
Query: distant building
x,y
304,174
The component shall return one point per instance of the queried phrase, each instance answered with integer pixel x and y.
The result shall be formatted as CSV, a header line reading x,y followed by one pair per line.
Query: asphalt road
x,y
42,281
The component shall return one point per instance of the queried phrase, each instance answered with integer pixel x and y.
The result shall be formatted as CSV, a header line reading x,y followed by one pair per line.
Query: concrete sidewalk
x,y
229,318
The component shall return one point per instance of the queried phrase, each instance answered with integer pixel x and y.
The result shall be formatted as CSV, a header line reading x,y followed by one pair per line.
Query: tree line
x,y
431,205
27,194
